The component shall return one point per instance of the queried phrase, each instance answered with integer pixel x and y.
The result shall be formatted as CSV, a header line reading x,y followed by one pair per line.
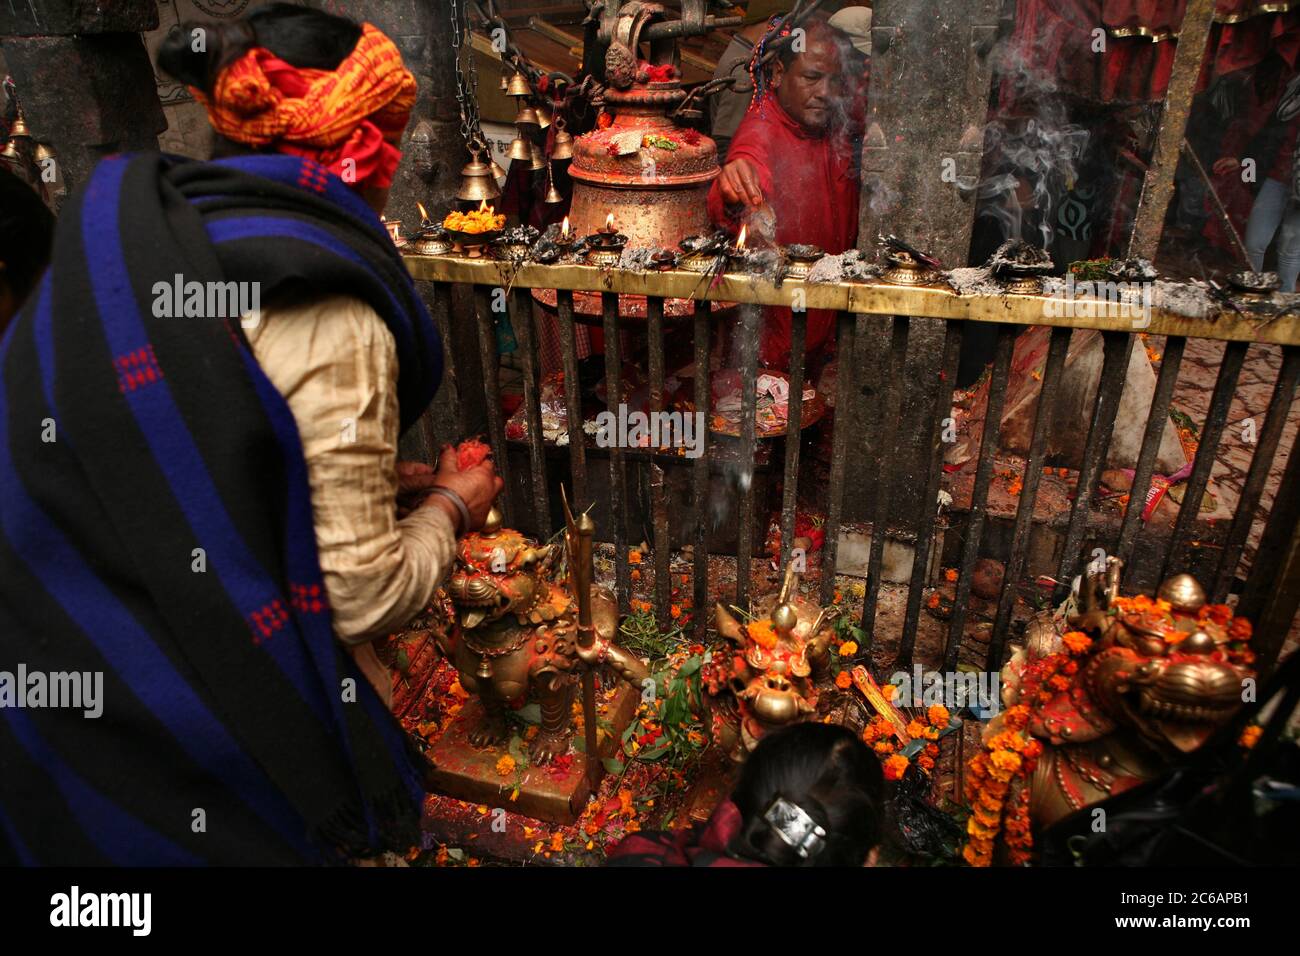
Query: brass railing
x,y
1271,590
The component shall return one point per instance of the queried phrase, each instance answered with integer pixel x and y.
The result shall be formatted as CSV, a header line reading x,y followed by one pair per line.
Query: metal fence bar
x,y
749,323
845,421
1272,591
1110,386
617,470
979,499
439,303
793,433
1279,407
1234,354
888,403
487,351
658,493
573,400
526,330
1057,347
1247,323
1157,421
700,472
928,515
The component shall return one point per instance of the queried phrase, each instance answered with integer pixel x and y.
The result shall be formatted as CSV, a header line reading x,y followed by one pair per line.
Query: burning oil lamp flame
x,y
424,214
609,223
564,228
740,240
483,206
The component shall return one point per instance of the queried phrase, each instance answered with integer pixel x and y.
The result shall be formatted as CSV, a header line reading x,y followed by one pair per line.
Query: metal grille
x,y
1269,593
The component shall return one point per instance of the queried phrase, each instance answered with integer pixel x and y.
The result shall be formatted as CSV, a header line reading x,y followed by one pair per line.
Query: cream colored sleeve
x,y
335,362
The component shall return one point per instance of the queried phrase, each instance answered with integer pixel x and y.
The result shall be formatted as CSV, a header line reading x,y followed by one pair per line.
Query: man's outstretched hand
x,y
739,184
478,486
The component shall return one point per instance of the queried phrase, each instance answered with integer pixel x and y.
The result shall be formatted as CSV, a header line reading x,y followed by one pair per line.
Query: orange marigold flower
x,y
761,633
934,600
634,557
848,648
895,767
1240,629
1175,636
1017,717
1076,642
1005,760
675,610
1060,682
843,680
924,762
950,574
1220,614
915,728
1250,736
557,842
506,765
889,690
938,716
932,750
884,747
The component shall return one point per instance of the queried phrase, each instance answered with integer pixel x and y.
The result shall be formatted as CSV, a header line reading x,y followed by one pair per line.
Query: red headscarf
x,y
342,118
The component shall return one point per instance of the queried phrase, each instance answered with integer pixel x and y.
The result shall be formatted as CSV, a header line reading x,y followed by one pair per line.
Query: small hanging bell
x,y
518,86
563,148
520,148
19,130
498,173
553,195
505,83
10,152
538,160
527,115
476,180
544,116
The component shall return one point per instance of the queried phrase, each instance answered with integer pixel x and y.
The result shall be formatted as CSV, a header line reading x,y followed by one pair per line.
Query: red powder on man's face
x,y
471,452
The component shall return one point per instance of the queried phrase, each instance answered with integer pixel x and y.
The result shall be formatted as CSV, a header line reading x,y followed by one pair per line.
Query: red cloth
x,y
1053,43
810,184
701,845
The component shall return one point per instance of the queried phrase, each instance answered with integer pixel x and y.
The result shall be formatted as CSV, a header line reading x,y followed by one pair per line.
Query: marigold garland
x,y
1009,757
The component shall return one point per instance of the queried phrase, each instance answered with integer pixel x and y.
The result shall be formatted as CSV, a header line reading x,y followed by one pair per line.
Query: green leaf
x,y
613,765
530,713
690,666
655,753
914,748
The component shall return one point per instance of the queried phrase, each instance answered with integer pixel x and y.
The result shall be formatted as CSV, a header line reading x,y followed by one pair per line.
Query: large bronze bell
x,y
19,130
538,161
520,149
563,141
476,180
518,86
661,210
527,116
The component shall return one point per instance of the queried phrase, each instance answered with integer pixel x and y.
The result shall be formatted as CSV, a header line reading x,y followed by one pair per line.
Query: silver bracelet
x,y
456,500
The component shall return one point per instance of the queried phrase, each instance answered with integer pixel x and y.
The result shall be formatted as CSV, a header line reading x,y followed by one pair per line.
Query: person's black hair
x,y
301,36
26,234
814,28
828,772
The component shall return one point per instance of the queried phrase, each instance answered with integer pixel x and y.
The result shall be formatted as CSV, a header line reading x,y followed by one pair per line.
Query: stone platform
x,y
554,795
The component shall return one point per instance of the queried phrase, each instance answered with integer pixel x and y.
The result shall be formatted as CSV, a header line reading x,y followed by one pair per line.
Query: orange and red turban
x,y
342,118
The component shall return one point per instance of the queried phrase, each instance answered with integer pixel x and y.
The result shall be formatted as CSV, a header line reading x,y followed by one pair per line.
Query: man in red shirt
x,y
791,153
